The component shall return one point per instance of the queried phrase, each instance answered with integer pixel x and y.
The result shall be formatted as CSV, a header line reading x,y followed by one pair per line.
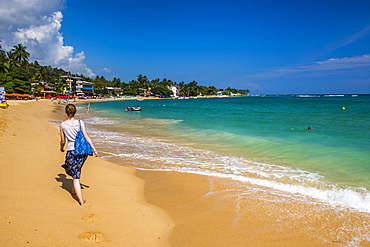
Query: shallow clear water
x,y
249,139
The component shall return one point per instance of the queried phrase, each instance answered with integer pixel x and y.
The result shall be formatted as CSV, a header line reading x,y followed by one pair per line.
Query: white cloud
x,y
332,66
36,24
253,86
21,13
353,38
107,70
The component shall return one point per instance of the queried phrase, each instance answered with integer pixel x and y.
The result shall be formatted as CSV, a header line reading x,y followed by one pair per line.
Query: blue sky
x,y
269,47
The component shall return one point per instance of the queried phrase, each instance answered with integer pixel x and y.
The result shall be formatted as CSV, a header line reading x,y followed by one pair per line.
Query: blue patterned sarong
x,y
73,164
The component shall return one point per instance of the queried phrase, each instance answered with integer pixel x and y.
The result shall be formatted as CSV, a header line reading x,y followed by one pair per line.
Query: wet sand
x,y
211,212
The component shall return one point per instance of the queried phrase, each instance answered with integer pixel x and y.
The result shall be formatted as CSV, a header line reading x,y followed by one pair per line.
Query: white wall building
x,y
175,90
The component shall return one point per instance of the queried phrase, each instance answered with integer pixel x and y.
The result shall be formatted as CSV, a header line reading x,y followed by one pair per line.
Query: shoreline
x,y
78,100
212,212
190,210
231,208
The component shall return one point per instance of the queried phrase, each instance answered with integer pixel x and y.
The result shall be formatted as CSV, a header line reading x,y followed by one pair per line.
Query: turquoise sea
x,y
255,140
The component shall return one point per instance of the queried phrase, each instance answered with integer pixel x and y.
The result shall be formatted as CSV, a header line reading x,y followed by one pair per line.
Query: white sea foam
x,y
173,157
168,121
101,120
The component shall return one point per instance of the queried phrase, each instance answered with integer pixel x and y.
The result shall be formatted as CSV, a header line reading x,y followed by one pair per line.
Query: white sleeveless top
x,y
70,133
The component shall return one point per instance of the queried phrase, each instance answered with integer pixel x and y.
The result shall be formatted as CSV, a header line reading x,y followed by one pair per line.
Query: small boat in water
x,y
135,108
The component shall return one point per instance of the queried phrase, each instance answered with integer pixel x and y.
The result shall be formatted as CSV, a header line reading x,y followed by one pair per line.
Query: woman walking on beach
x,y
73,163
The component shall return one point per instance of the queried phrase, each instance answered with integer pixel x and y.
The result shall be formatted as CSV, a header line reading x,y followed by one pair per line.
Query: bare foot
x,y
85,204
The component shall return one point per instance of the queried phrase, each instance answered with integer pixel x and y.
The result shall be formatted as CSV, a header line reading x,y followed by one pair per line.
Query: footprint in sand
x,y
96,237
91,217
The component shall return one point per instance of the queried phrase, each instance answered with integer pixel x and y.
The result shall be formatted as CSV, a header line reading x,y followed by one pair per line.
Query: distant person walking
x,y
73,163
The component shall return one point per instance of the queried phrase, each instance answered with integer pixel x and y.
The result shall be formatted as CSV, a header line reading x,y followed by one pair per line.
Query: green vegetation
x,y
18,75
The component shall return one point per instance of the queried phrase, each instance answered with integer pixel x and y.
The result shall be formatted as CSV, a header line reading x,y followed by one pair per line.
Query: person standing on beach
x,y
73,163
88,108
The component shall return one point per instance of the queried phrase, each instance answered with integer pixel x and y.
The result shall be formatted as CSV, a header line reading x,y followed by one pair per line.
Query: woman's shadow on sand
x,y
67,183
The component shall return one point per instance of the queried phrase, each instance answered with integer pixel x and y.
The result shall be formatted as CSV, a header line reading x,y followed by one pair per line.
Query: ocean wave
x,y
167,121
101,120
156,154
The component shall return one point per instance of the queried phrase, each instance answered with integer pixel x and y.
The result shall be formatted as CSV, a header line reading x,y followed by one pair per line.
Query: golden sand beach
x,y
36,206
131,207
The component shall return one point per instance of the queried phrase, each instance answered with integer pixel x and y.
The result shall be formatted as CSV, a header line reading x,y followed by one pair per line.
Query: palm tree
x,y
193,88
61,85
20,53
4,62
13,63
144,82
155,82
212,90
37,90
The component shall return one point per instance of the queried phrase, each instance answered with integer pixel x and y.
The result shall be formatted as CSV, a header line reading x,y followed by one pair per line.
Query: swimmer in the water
x,y
309,128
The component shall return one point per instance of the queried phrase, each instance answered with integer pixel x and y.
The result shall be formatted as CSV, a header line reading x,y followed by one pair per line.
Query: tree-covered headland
x,y
19,75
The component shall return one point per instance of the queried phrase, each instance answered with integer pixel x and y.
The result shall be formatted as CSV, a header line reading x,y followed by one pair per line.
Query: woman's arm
x,y
62,139
88,138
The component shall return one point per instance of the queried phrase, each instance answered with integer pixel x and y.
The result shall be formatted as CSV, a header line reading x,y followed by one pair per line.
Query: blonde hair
x,y
71,110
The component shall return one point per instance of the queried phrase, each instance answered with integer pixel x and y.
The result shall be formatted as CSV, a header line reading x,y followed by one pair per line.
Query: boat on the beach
x,y
134,108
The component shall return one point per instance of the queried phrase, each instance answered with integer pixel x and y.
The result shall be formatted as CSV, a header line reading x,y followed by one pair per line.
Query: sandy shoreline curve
x,y
36,206
132,207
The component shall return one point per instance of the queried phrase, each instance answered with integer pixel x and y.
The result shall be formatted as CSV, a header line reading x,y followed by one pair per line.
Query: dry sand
x,y
36,207
141,208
